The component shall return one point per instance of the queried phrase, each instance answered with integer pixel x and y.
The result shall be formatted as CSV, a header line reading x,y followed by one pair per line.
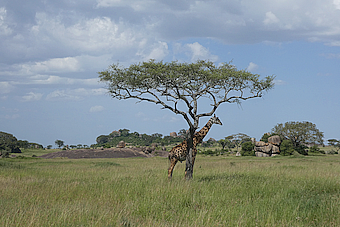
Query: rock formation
x,y
173,134
272,148
121,144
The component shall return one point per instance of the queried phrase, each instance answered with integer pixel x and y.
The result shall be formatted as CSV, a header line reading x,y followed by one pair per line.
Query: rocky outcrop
x,y
173,134
272,148
121,144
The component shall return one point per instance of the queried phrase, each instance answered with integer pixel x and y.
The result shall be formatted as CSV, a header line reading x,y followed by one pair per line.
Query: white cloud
x,y
60,95
96,109
270,19
74,94
5,87
4,27
336,3
199,52
93,35
46,79
67,64
252,67
280,82
31,96
158,52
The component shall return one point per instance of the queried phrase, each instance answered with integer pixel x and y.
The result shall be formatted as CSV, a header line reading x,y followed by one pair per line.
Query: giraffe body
x,y
179,152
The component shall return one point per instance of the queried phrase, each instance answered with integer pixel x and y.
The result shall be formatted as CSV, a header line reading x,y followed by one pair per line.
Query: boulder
x,y
276,150
238,154
268,148
121,144
276,140
260,144
261,154
259,149
173,134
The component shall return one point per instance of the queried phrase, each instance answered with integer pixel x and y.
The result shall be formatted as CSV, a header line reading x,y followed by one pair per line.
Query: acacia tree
x,y
299,133
238,139
59,143
179,87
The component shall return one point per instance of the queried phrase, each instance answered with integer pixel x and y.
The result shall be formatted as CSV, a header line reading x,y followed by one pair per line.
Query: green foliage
x,y
238,139
300,134
286,148
247,149
212,152
59,143
135,139
225,143
315,149
167,83
8,143
335,143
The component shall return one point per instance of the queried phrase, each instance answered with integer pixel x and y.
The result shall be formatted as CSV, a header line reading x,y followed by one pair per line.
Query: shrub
x,y
315,149
286,148
247,149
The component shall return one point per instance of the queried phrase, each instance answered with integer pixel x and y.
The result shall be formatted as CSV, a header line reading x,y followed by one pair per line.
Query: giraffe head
x,y
215,120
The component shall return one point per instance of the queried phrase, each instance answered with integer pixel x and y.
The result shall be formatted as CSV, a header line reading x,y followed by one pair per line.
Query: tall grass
x,y
225,191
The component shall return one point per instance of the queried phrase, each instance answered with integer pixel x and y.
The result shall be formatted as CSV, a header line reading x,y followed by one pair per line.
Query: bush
x,y
286,148
315,149
247,149
212,152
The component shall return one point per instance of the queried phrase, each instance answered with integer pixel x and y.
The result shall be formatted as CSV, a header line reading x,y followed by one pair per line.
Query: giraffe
x,y
179,152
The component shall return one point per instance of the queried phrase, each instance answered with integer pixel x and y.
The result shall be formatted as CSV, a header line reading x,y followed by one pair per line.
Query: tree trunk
x,y
189,167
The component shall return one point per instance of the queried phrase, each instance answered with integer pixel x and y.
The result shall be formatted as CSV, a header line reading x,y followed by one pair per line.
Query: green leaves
x,y
299,133
169,83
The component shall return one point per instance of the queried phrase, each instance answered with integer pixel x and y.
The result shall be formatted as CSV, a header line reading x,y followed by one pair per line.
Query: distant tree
x,y
79,146
9,143
335,143
225,143
265,137
300,134
73,146
157,135
49,146
23,144
173,84
102,139
124,132
238,139
316,149
59,143
247,149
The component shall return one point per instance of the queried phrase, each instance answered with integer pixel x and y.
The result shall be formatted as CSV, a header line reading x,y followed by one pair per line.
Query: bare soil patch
x,y
105,153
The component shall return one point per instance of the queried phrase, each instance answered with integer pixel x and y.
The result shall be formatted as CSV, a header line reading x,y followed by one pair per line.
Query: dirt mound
x,y
105,153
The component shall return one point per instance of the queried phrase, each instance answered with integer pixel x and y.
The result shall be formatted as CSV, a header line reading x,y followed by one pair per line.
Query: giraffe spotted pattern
x,y
179,152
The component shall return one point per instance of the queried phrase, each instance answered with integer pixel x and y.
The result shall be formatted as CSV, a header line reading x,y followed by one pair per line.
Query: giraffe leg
x,y
172,166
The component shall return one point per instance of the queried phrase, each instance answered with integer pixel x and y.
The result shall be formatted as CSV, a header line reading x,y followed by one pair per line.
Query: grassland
x,y
225,191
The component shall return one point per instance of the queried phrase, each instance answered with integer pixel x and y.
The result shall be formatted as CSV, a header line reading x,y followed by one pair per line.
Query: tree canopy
x,y
173,83
299,133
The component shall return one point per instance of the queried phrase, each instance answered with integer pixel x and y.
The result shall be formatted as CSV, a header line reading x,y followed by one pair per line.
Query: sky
x,y
51,53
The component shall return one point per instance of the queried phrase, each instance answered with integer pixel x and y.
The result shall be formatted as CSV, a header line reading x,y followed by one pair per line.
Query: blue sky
x,y
51,51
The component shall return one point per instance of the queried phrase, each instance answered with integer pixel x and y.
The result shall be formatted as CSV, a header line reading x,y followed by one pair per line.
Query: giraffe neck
x,y
199,136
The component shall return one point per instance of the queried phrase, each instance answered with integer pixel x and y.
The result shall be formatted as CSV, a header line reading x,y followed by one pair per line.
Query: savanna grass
x,y
225,191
